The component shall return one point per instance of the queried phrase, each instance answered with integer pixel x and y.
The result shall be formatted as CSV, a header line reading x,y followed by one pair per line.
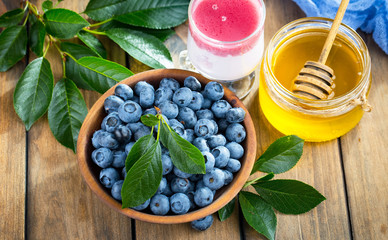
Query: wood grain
x,y
12,152
366,160
60,205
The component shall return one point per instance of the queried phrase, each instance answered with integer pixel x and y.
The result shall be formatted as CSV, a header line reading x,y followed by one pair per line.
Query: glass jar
x,y
313,120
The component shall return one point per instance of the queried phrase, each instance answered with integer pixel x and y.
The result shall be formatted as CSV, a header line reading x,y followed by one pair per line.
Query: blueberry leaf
x,y
13,46
93,43
225,212
101,74
33,91
149,120
144,47
36,38
289,196
185,156
11,18
143,178
66,113
280,156
258,214
63,23
138,150
102,10
47,5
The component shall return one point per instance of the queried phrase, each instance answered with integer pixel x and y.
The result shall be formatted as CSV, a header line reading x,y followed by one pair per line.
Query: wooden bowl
x,y
90,171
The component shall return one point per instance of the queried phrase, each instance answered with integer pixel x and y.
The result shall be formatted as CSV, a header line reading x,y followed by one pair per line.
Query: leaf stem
x,y
46,50
93,32
100,23
158,134
25,20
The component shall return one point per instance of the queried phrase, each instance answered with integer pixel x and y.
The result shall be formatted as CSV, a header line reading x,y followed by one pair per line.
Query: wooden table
x,y
43,196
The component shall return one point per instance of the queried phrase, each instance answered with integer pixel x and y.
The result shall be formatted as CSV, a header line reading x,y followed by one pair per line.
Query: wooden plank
x,y
12,152
320,165
365,157
60,205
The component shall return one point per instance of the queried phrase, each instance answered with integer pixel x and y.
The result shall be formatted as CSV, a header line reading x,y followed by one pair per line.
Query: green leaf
x,y
143,178
47,5
144,47
185,156
36,38
102,10
72,68
93,43
13,46
149,120
66,113
280,156
63,23
102,74
140,147
33,91
258,214
289,196
156,14
11,18
225,212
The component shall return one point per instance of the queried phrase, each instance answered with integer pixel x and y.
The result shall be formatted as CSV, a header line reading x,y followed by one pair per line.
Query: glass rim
x,y
257,30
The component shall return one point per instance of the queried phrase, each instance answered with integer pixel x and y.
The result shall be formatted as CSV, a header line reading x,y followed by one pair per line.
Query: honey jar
x,y
286,53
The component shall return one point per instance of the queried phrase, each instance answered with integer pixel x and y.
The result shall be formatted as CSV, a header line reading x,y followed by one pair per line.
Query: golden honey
x,y
314,120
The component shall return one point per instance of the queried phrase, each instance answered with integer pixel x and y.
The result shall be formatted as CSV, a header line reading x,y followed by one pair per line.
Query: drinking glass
x,y
225,41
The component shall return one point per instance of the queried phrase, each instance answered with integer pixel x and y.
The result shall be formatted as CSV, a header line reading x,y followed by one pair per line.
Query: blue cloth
x,y
371,16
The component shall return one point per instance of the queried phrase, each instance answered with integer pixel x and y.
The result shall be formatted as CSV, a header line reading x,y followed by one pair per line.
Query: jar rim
x,y
356,42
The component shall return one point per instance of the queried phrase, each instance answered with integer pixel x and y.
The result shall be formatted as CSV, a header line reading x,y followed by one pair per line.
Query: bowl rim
x,y
83,156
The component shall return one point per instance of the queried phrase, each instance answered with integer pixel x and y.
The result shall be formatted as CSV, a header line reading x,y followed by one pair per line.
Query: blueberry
x,y
119,158
235,115
228,177
204,128
108,176
215,126
134,126
180,184
123,134
196,101
96,138
192,83
235,149
110,122
220,108
116,190
143,205
169,109
196,177
177,127
205,114
235,132
209,161
190,195
128,147
136,99
203,223
169,83
141,132
162,94
190,135
167,190
160,204
150,111
216,140
147,97
124,91
182,97
108,140
162,186
207,103
166,164
222,155
187,117
203,196
179,203
201,144
222,125
180,173
112,103
124,172
103,157
141,85
130,112
213,91
233,165
215,179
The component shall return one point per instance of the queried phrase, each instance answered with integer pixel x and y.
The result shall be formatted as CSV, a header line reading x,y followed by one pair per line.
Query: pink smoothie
x,y
226,20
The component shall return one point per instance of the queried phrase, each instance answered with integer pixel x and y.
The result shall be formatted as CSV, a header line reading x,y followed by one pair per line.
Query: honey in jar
x,y
314,120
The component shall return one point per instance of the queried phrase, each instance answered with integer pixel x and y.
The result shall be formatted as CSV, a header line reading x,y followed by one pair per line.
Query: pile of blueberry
x,y
198,115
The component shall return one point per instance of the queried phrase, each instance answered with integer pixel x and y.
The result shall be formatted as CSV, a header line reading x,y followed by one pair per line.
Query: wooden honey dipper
x,y
315,80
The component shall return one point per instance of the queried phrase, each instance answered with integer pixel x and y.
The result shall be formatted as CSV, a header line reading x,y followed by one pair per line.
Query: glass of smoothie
x,y
226,41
